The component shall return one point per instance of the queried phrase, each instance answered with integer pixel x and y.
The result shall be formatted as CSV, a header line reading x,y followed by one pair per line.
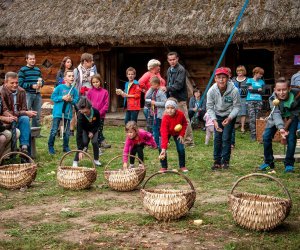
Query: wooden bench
x,y
35,132
281,157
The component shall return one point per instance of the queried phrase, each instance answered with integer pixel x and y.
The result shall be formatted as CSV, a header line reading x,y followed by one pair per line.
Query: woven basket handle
x,y
16,153
171,172
119,156
79,151
263,175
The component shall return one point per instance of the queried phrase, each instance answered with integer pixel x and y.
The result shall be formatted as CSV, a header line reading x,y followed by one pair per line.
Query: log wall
x,y
199,62
14,59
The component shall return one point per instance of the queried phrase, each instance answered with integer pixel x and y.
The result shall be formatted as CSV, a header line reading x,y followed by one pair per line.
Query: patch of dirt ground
x,y
85,231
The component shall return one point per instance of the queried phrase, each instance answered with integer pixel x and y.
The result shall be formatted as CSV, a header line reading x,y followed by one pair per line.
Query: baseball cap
x,y
222,70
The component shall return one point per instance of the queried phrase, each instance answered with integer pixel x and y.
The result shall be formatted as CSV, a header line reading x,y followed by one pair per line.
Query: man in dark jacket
x,y
15,108
176,87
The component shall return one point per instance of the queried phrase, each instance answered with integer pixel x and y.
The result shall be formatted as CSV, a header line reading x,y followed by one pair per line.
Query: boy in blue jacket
x,y
63,96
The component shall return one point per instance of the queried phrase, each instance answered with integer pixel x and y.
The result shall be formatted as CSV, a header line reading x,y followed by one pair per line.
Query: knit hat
x,y
171,103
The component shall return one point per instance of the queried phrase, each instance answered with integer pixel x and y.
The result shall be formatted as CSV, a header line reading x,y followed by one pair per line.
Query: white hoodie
x,y
227,105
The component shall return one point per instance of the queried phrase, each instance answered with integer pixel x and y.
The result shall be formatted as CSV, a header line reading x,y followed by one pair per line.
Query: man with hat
x,y
223,105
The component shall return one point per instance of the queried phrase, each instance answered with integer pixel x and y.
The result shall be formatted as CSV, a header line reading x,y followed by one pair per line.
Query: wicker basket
x,y
259,212
14,176
76,178
124,179
260,128
168,204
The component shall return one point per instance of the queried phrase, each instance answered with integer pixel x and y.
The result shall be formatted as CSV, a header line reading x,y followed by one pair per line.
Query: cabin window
x,y
47,64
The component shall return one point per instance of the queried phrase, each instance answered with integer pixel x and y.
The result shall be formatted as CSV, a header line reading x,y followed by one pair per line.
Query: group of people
x,y
165,111
80,100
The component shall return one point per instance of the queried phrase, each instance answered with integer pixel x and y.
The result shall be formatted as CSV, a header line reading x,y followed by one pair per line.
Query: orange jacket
x,y
133,103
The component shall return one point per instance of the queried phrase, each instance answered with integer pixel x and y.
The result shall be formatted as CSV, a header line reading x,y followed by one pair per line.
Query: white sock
x,y
75,164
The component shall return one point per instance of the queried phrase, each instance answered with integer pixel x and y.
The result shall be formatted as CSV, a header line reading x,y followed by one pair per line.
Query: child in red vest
x,y
173,124
131,95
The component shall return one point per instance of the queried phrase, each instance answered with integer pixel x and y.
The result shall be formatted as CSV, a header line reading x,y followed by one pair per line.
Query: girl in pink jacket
x,y
136,140
100,100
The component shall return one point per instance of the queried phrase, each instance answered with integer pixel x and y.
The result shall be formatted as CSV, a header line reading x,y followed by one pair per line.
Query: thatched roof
x,y
147,22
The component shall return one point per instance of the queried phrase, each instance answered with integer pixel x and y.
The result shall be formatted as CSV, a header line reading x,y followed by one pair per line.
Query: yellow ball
x,y
178,127
276,102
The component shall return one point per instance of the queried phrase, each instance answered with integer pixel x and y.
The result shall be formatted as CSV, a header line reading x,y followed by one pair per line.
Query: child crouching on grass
x,y
136,140
173,124
88,123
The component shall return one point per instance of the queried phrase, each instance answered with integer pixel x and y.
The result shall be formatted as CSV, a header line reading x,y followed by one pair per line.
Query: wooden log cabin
x,y
123,33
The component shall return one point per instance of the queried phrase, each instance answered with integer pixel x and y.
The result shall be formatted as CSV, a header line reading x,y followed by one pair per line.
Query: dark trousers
x,y
86,140
180,151
222,141
139,150
131,115
100,132
291,144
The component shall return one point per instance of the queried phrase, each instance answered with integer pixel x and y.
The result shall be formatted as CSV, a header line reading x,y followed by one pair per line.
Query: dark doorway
x,y
263,58
136,59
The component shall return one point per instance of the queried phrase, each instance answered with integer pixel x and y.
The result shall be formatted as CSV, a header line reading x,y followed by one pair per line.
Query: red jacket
x,y
168,124
133,103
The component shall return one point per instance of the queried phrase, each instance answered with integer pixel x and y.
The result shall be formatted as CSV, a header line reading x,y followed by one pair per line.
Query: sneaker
x,y
289,169
131,165
51,151
24,149
105,145
75,164
216,166
97,163
100,152
162,170
66,150
225,165
265,167
184,169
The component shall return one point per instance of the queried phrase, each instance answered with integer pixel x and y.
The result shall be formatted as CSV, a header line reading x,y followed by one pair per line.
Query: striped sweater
x,y
29,76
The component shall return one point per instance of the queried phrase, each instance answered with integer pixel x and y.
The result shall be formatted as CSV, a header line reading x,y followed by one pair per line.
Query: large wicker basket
x,y
124,179
259,212
76,178
14,176
168,204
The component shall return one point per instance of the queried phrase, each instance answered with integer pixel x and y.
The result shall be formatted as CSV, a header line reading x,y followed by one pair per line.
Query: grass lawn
x,y
46,216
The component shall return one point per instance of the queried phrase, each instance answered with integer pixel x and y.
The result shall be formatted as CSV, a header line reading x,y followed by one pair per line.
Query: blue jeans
x,y
34,102
291,144
156,131
53,131
181,154
131,115
233,137
24,126
222,141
